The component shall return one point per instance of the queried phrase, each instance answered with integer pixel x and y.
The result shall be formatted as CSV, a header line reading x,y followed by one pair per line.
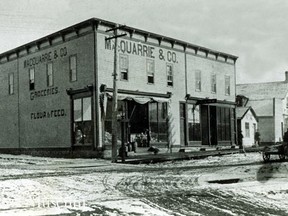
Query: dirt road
x,y
229,185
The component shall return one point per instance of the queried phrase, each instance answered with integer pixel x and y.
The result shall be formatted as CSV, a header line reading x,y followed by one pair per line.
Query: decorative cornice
x,y
96,22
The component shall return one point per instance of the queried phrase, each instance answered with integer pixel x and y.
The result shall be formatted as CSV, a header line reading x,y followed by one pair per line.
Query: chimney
x,y
286,76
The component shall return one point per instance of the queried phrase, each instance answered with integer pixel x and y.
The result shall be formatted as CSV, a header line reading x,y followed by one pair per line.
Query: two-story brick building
x,y
50,94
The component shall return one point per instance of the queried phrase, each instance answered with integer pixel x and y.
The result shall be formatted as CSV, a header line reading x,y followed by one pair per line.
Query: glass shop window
x,y
223,123
194,123
158,122
83,127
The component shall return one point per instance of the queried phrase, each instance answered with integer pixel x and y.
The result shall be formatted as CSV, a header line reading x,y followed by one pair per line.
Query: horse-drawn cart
x,y
279,149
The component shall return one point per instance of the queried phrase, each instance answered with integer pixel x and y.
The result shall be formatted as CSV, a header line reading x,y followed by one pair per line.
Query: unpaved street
x,y
236,184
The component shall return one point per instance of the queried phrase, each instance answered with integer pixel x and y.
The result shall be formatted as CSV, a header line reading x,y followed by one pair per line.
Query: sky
x,y
254,30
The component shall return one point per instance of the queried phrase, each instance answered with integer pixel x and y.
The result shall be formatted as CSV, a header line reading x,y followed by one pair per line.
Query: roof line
x,y
259,83
263,99
112,24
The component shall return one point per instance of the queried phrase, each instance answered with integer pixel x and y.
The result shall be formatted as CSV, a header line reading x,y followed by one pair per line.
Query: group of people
x,y
257,138
143,139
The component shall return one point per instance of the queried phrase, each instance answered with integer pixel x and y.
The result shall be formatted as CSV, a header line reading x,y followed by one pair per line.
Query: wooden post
x,y
115,92
114,103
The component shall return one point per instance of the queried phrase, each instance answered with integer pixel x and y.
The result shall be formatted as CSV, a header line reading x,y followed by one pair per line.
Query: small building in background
x,y
270,102
247,123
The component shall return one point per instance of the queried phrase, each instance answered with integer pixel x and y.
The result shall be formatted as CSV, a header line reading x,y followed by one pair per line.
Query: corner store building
x,y
50,90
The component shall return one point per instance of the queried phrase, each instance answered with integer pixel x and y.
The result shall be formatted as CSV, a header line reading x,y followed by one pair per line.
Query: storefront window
x,y
153,122
194,123
83,131
139,118
77,110
158,122
223,123
87,109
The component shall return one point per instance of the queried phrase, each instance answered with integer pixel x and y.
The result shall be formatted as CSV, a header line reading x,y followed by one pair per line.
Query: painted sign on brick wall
x,y
140,49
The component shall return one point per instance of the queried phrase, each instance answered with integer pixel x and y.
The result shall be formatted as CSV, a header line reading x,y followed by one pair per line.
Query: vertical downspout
x,y
95,95
274,120
18,92
186,106
209,126
235,118
185,62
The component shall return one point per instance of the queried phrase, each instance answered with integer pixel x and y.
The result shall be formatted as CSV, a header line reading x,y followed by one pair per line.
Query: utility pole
x,y
115,92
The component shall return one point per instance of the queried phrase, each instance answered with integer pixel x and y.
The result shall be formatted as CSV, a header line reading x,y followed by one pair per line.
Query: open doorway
x,y
145,123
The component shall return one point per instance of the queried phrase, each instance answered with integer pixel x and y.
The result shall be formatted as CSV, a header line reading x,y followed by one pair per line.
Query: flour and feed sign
x,y
44,58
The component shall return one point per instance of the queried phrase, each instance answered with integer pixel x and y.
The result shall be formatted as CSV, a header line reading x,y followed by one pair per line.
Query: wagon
x,y
279,149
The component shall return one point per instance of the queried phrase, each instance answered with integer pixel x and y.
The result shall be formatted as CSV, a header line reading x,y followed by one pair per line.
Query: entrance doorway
x,y
183,122
143,121
213,125
138,117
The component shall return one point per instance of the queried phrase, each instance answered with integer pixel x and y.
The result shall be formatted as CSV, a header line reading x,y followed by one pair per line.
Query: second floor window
x,y
227,85
213,83
198,80
73,68
123,63
150,70
169,68
49,74
11,83
31,79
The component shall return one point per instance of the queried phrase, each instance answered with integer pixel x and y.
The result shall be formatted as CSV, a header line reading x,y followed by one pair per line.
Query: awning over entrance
x,y
140,99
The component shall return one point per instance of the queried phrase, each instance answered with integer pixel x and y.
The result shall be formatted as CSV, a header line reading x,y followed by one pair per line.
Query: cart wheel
x,y
281,156
266,156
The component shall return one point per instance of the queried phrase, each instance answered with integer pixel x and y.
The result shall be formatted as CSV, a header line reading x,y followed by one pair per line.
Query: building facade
x,y
269,101
247,124
56,91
